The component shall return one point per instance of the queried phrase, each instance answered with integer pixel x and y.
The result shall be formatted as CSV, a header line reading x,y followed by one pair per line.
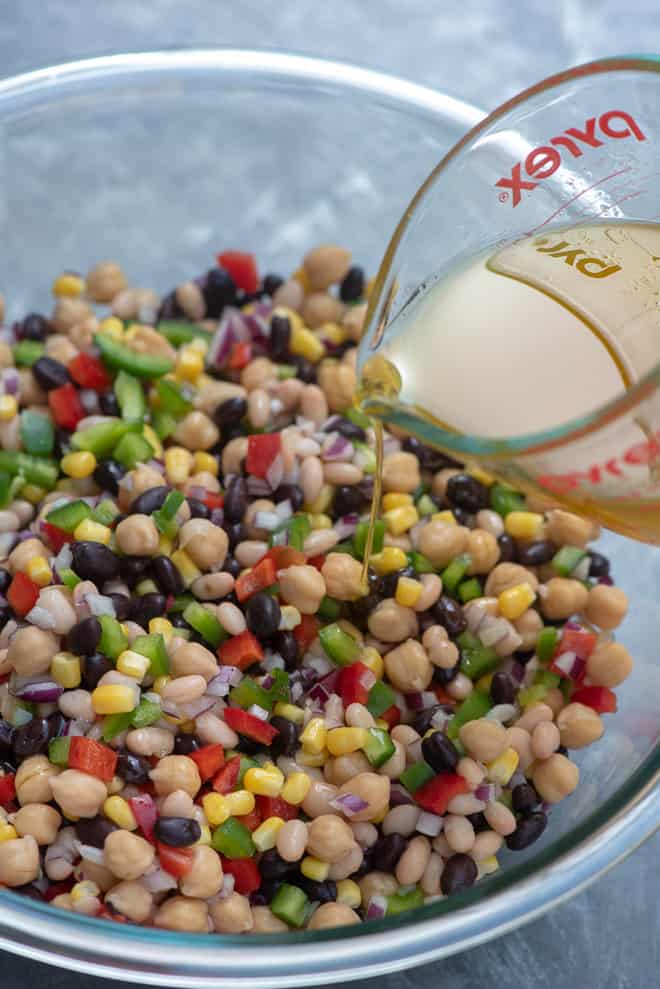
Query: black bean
x,y
248,746
528,831
5,580
33,327
502,689
387,851
386,586
286,645
179,621
562,750
31,738
362,608
449,614
167,576
263,615
422,720
6,614
219,291
236,533
306,370
232,566
347,500
460,872
56,724
290,492
109,405
351,430
94,561
122,604
62,442
133,568
94,830
507,548
6,738
264,895
439,752
465,491
270,284
286,742
198,510
177,832
352,286
478,821
30,890
463,517
186,742
236,500
232,410
325,892
107,475
273,866
50,374
84,637
430,459
133,768
95,667
146,607
536,553
280,337
170,308
524,798
149,500
599,565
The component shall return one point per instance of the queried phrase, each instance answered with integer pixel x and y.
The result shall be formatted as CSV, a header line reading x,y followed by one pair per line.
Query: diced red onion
x,y
258,712
7,542
39,691
440,719
41,617
64,558
391,445
337,447
475,612
89,400
486,792
347,525
266,520
192,709
157,880
399,795
420,700
25,534
257,487
320,664
10,381
606,580
156,465
429,824
227,886
570,664
349,804
100,604
78,727
90,853
331,423
517,778
377,908
275,472
284,510
228,674
415,532
502,713
273,661
493,630
318,694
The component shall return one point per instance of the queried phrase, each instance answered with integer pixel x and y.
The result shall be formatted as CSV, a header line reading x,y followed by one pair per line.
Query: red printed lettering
x,y
542,162
563,483
516,184
642,453
606,127
587,136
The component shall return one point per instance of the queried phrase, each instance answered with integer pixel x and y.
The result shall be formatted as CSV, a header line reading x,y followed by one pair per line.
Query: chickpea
x,y
357,716
373,789
143,339
609,664
329,838
345,767
565,529
181,913
33,780
365,834
57,601
39,820
533,716
401,472
59,348
289,295
343,577
292,840
506,575
137,535
460,687
150,741
192,658
347,864
127,855
528,627
302,586
440,481
484,550
78,794
176,772
68,312
485,740
392,622
132,900
317,800
521,741
555,700
31,650
205,543
141,479
319,308
19,861
441,651
257,373
563,597
555,778
205,877
231,915
264,921
212,586
431,591
332,915
377,884
408,667
441,542
260,505
579,726
191,299
177,804
95,873
326,265
545,740
606,606
104,281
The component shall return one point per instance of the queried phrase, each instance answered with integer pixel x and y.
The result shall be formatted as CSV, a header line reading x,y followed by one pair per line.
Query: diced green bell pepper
x,y
547,678
68,517
233,840
5,488
121,358
532,695
504,499
164,517
146,713
379,747
368,457
476,659
163,423
476,705
153,647
426,506
205,623
248,692
58,750
173,397
102,438
113,638
454,572
360,537
28,352
566,559
338,645
285,371
381,697
133,449
179,332
106,512
546,643
329,609
470,589
115,724
35,470
290,904
37,433
420,563
359,418
130,396
69,578
398,902
180,604
416,775
245,764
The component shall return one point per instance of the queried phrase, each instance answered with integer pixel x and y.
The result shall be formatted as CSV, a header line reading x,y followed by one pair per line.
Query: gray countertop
x,y
483,51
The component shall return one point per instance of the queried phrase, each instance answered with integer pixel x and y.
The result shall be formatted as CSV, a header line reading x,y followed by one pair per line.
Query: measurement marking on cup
x,y
573,199
623,199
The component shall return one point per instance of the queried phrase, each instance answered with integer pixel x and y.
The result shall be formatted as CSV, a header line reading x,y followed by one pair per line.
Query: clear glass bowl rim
x,y
507,899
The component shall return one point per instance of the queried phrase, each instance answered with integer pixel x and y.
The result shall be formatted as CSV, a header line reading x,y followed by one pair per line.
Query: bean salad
x,y
208,723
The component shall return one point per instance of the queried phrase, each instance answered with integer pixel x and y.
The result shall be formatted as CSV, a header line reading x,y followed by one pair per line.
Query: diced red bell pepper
x,y
601,699
577,640
22,594
392,716
225,780
92,757
66,406
105,913
58,889
306,631
176,861
56,537
284,556
88,372
247,878
355,683
262,450
210,759
251,820
213,500
241,650
317,561
436,795
262,575
239,356
242,267
145,813
442,696
7,789
276,807
246,724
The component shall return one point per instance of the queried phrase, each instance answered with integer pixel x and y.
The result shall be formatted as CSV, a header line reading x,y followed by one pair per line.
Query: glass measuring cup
x,y
576,150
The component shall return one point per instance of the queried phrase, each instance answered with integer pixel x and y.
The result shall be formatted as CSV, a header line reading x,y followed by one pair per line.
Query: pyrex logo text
x,y
542,162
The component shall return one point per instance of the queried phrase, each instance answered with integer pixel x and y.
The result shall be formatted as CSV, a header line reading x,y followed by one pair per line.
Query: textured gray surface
x,y
484,51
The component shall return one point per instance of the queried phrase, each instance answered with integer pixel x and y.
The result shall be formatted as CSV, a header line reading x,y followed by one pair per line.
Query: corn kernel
x,y
333,333
33,493
93,532
118,810
323,501
178,464
399,520
373,660
320,521
264,782
112,326
132,664
395,499
383,725
265,836
78,465
115,698
483,683
444,516
161,626
189,365
38,570
296,788
290,712
348,892
408,592
200,345
314,868
301,276
8,407
290,617
151,437
65,670
68,285
314,736
189,572
515,601
487,866
206,462
311,760
481,475
342,741
7,832
523,525
388,560
239,803
501,770
165,545
205,837
216,809
85,890
306,344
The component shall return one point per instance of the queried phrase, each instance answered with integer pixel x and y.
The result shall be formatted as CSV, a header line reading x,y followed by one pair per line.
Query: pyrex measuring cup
x,y
580,148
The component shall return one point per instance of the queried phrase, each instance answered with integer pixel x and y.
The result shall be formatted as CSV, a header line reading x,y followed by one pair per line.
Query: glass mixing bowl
x,y
158,161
